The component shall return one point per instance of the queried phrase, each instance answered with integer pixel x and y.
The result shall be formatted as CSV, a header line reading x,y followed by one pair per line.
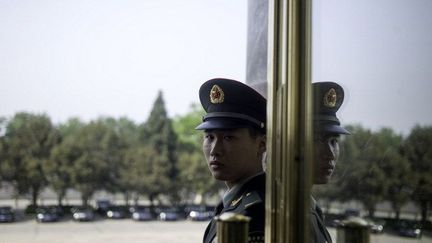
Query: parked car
x,y
352,212
333,220
408,229
47,214
83,213
117,212
168,214
102,206
141,213
376,226
57,209
7,214
200,213
30,209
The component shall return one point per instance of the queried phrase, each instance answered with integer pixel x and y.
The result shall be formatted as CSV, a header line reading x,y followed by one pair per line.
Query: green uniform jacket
x,y
248,201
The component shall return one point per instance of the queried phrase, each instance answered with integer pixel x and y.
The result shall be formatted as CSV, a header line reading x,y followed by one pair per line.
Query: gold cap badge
x,y
216,95
330,98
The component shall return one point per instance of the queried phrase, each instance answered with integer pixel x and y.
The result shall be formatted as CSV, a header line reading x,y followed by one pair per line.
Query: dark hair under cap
x,y
328,98
231,104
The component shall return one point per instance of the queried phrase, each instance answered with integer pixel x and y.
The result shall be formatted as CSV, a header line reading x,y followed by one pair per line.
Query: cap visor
x,y
332,128
220,124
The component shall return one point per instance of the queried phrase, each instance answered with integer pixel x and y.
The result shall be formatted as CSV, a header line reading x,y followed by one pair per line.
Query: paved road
x,y
104,231
127,231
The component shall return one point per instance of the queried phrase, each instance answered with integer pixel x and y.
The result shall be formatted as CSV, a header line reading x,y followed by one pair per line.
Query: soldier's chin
x,y
219,176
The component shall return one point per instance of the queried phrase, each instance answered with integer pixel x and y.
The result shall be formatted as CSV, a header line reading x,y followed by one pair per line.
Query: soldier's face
x,y
326,154
233,155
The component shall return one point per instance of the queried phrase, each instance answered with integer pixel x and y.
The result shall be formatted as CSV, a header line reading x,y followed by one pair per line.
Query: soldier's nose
x,y
216,148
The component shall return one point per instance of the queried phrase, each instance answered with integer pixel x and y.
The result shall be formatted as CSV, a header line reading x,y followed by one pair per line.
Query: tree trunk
x,y
35,192
136,198
424,210
151,198
126,198
371,211
84,199
397,214
60,197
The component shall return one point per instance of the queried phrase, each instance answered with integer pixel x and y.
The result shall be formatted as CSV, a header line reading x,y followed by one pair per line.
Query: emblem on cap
x,y
330,98
216,95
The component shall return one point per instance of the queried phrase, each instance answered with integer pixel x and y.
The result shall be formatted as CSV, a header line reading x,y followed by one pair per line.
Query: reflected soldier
x,y
234,145
328,97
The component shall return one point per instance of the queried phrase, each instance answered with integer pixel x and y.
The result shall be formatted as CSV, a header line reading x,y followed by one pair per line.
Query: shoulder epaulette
x,y
251,198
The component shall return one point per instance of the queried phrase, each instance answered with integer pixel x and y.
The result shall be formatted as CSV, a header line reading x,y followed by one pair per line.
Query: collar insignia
x,y
236,201
330,98
216,95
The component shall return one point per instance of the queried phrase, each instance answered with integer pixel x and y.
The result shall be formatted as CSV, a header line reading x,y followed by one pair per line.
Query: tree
x,y
184,126
92,152
3,122
396,169
158,134
361,173
28,141
58,173
417,149
70,127
148,172
193,171
57,168
127,132
3,149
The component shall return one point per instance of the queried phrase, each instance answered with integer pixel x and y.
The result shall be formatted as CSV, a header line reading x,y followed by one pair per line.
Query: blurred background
x,y
99,101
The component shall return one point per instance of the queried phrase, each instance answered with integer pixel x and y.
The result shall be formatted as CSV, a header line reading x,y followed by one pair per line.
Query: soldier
x,y
328,97
234,144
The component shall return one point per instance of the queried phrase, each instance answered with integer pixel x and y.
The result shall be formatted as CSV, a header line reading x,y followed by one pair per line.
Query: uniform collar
x,y
232,192
313,204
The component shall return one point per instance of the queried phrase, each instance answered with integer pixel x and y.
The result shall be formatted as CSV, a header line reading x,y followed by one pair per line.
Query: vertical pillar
x,y
256,60
353,230
285,81
232,228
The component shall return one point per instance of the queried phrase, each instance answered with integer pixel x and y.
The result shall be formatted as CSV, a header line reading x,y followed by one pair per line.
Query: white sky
x,y
90,58
381,52
86,58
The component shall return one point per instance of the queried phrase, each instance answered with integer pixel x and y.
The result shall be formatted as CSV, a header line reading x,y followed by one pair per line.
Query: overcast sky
x,y
108,57
381,52
90,58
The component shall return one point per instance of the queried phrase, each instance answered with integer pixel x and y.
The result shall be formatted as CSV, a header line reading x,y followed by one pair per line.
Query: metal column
x,y
290,121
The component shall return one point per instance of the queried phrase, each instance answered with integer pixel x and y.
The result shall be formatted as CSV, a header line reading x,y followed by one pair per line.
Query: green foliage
x,y
396,170
57,168
165,157
70,127
158,134
91,156
194,176
3,122
26,146
417,149
189,138
372,169
124,133
3,150
148,172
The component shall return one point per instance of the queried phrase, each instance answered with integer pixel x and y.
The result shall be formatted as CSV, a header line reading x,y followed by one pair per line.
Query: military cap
x,y
328,98
231,104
